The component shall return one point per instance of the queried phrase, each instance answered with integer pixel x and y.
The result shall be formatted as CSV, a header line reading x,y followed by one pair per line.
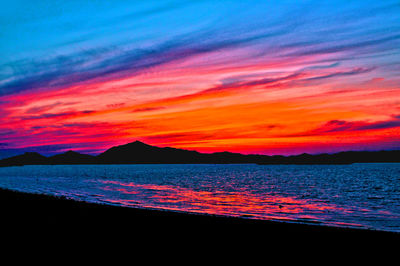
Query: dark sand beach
x,y
42,215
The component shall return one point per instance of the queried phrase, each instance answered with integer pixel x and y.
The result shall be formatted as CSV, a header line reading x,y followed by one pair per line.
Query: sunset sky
x,y
267,77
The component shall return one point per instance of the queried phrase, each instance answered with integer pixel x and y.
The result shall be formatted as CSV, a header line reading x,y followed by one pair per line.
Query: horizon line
x,y
225,151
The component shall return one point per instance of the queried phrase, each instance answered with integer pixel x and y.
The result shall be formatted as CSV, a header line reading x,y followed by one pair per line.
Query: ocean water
x,y
357,196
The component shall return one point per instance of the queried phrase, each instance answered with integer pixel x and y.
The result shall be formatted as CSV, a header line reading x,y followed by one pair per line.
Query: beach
x,y
26,214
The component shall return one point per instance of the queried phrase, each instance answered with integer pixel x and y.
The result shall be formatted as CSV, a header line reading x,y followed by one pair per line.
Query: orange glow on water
x,y
217,202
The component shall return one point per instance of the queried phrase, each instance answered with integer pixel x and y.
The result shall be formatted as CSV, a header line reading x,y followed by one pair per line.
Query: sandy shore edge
x,y
26,213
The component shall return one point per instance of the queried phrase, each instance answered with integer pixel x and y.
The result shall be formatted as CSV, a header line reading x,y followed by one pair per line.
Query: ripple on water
x,y
360,195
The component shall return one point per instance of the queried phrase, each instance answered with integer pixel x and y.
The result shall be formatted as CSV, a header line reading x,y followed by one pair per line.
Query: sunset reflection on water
x,y
217,202
358,195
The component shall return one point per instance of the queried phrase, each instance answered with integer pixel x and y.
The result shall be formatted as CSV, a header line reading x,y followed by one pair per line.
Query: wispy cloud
x,y
55,115
355,71
352,46
341,125
116,62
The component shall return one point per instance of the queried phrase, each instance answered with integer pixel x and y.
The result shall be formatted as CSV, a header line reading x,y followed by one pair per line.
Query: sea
x,y
355,196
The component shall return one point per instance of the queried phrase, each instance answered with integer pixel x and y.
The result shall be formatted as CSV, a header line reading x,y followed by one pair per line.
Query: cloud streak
x,y
116,62
346,126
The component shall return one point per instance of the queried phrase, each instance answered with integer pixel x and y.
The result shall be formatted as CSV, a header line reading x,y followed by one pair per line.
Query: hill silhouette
x,y
71,157
26,158
140,153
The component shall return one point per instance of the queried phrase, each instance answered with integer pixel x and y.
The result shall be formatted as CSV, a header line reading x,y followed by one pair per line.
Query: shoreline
x,y
27,213
261,164
152,163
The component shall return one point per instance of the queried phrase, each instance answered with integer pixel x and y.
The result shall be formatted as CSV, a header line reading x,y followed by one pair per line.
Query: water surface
x,y
358,195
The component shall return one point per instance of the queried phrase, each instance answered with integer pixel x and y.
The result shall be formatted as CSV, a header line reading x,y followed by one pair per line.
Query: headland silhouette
x,y
140,153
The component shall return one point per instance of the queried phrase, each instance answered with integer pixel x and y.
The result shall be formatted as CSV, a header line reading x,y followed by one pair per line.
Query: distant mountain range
x,y
140,153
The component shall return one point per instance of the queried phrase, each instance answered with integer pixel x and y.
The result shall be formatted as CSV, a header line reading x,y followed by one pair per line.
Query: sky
x,y
264,77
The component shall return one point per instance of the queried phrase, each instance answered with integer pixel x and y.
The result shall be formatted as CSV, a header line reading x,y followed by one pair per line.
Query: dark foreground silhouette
x,y
24,213
138,153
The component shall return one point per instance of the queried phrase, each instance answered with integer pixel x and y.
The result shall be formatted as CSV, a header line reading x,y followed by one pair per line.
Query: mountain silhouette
x,y
71,157
26,158
140,153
